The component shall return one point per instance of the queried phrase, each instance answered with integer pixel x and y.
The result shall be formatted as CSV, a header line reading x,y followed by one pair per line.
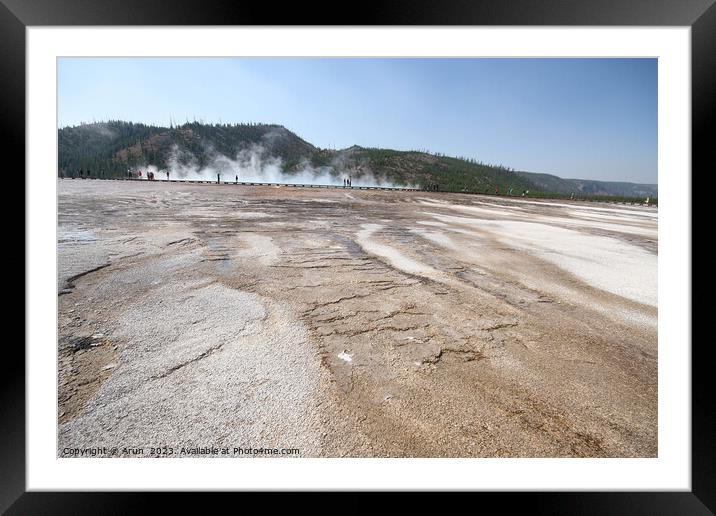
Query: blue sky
x,y
576,118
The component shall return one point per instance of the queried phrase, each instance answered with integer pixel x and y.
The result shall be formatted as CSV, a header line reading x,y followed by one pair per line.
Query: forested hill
x,y
589,187
110,149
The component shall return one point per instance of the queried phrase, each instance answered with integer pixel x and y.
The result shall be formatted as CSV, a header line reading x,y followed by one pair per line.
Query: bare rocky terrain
x,y
354,323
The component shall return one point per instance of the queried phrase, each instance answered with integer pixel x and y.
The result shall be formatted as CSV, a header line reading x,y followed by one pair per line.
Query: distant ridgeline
x,y
111,149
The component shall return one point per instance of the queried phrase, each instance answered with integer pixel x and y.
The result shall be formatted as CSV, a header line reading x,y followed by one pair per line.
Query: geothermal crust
x,y
354,323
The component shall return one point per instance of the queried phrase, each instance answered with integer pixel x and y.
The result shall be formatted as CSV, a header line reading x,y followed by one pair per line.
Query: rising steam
x,y
256,165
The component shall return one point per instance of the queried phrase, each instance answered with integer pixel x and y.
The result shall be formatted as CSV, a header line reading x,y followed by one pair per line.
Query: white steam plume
x,y
255,165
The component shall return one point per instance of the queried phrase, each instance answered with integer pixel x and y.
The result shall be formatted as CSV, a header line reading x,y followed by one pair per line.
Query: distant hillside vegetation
x,y
554,184
109,149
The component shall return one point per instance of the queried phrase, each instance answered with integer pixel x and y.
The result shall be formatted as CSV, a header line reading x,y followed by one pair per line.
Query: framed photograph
x,y
444,248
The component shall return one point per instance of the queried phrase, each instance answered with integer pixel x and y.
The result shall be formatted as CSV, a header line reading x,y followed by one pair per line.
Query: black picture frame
x,y
700,15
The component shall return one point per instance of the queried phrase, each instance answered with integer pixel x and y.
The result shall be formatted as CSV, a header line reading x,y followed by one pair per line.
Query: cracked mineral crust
x,y
389,324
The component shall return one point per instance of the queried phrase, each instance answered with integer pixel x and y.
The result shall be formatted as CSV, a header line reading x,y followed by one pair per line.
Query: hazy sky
x,y
576,118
